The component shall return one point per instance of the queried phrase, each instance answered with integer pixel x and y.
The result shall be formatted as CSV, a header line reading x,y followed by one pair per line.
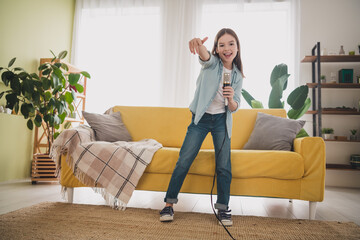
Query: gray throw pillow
x,y
273,133
109,128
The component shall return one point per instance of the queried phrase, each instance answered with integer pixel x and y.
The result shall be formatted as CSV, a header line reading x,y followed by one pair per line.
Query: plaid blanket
x,y
113,168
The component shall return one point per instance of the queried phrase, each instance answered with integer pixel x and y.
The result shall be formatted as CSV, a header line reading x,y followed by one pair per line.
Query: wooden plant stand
x,y
43,168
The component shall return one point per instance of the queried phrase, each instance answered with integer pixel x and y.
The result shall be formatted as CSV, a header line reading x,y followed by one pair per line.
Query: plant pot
x,y
328,136
353,137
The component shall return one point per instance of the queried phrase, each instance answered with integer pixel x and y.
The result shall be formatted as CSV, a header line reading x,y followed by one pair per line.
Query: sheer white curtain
x,y
119,43
181,21
266,31
137,51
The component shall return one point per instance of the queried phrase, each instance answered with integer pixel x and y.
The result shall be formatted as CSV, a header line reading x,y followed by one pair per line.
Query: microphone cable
x,y
213,184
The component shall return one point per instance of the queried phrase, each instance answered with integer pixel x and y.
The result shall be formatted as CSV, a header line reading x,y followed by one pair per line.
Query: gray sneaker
x,y
167,214
225,217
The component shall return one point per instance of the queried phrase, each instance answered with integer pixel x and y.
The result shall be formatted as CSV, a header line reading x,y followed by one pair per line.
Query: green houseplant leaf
x,y
62,55
38,120
296,114
279,71
79,88
302,133
6,77
30,124
256,104
85,74
248,98
297,97
11,62
277,92
11,100
74,78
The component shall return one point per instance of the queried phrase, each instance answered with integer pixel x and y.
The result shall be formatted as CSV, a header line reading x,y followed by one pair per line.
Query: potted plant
x,y
353,136
298,98
46,97
327,133
323,79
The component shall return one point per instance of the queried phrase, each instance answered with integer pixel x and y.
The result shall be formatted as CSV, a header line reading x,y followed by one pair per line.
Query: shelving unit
x,y
341,167
317,110
334,140
43,167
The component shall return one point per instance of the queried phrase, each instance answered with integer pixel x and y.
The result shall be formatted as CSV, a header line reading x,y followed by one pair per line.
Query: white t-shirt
x,y
218,104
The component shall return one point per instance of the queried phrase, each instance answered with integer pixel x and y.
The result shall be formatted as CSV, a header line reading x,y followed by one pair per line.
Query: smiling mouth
x,y
227,55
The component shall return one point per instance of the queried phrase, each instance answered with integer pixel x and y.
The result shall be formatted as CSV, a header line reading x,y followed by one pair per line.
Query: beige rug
x,y
74,221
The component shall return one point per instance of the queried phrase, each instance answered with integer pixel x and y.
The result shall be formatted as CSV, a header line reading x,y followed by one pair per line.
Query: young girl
x,y
211,109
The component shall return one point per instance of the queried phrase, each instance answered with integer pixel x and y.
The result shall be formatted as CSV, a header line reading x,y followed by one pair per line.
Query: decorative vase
x,y
353,137
328,136
341,52
324,52
333,77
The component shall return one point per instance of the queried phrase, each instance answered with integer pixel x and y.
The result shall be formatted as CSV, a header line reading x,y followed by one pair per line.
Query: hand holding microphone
x,y
227,89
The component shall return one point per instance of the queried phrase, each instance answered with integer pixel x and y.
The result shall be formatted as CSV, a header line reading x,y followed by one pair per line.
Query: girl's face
x,y
227,49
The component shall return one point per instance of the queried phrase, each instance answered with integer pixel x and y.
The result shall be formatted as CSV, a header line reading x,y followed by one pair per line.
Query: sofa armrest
x,y
312,149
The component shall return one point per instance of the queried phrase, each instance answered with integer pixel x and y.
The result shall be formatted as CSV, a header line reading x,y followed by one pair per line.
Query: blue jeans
x,y
216,124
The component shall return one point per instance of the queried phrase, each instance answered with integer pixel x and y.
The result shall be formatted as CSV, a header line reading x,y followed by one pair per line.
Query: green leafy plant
x,y
45,98
327,131
298,98
353,131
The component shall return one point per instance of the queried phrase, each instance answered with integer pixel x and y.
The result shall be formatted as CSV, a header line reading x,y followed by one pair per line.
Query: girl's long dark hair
x,y
237,60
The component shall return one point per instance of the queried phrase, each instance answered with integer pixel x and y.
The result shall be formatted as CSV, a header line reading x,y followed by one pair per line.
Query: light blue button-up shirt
x,y
207,85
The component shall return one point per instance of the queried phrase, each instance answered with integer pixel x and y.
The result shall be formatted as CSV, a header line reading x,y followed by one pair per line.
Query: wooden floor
x,y
340,204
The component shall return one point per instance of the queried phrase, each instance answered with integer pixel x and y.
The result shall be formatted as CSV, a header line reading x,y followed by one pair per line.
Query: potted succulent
x,y
323,79
328,133
45,98
353,136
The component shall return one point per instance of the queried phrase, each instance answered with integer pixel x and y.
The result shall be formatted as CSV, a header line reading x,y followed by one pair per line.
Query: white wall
x,y
333,23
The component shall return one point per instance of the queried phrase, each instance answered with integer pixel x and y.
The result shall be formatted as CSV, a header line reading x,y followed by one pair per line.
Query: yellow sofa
x,y
297,174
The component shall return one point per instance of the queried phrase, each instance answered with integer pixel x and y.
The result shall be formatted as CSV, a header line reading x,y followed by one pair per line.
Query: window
x,y
120,49
264,31
137,51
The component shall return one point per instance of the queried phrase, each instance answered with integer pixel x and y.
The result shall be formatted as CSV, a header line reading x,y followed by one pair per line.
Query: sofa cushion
x,y
109,128
245,163
273,133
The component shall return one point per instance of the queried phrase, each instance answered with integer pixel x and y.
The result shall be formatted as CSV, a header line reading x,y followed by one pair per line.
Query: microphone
x,y
226,83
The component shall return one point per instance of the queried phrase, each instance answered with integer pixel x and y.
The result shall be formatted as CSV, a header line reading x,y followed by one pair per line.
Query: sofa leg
x,y
70,194
312,210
